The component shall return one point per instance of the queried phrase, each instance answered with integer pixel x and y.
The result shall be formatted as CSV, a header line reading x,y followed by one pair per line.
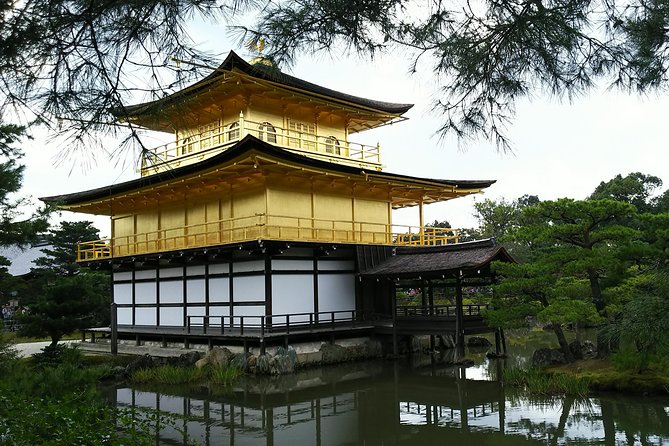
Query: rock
x,y
264,364
251,361
186,359
141,362
333,353
589,350
445,341
202,362
373,348
478,341
576,350
219,356
547,356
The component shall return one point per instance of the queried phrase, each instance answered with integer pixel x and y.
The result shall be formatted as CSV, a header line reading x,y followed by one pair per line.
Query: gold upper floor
x,y
309,139
240,99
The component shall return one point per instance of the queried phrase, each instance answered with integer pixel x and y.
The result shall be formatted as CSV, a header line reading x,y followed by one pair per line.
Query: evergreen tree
x,y
71,63
66,297
578,249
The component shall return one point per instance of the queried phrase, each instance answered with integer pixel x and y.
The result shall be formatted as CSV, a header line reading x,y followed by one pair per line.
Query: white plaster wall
x,y
126,275
252,265
249,288
145,293
255,310
123,293
171,292
292,265
219,289
219,268
335,265
171,317
124,316
336,292
197,270
293,294
145,274
145,316
171,272
219,311
195,290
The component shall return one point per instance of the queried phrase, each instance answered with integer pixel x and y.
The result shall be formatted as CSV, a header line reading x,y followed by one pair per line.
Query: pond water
x,y
417,401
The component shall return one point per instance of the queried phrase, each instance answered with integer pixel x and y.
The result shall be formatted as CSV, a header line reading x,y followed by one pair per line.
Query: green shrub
x,y
53,355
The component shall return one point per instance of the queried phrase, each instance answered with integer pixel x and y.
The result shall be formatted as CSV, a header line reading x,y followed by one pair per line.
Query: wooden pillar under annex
x,y
421,222
459,317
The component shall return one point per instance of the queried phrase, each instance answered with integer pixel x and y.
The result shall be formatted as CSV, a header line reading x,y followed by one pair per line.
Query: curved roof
x,y
251,145
266,73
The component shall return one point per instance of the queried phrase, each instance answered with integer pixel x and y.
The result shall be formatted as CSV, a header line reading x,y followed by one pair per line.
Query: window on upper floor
x,y
302,135
267,132
332,145
209,135
233,131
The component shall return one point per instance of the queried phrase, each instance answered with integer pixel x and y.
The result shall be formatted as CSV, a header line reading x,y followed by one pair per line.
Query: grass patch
x,y
171,375
608,375
539,382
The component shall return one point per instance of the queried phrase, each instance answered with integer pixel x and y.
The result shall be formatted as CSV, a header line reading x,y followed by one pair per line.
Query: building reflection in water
x,y
371,405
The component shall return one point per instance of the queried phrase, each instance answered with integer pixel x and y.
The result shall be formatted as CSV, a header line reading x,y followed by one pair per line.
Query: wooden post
x,y
114,329
459,318
393,308
498,341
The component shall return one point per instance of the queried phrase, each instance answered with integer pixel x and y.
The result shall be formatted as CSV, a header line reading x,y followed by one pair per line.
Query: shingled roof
x,y
246,145
438,261
270,74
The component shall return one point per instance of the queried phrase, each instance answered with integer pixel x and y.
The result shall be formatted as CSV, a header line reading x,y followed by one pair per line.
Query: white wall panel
x,y
171,292
145,316
249,288
252,265
219,311
293,294
195,290
336,292
145,293
172,317
197,270
196,311
145,274
125,275
171,272
219,289
255,310
219,268
123,293
124,316
292,265
335,265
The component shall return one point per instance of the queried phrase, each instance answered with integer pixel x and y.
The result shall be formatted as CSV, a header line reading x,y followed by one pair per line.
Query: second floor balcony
x,y
300,139
264,227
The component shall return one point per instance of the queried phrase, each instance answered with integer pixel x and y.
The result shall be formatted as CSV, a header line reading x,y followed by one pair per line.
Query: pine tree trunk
x,y
564,345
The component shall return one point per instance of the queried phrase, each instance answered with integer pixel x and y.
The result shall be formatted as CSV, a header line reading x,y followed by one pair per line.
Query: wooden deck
x,y
260,331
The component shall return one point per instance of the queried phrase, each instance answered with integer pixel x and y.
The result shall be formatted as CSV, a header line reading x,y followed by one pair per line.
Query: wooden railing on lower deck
x,y
265,227
275,323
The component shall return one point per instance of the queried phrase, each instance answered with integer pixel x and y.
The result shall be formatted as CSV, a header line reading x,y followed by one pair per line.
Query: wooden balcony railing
x,y
219,138
264,227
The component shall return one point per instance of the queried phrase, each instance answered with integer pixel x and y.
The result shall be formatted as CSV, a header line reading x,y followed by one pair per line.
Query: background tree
x,y
576,250
636,188
15,228
64,296
61,258
70,303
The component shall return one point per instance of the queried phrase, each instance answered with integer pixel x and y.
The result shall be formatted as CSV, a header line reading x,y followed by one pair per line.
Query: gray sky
x,y
561,149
